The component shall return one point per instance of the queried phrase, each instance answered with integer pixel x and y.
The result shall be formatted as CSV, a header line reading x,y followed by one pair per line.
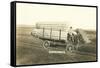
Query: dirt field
x,y
29,50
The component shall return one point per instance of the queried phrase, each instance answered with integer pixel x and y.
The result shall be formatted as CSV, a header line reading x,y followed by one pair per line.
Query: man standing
x,y
71,31
71,35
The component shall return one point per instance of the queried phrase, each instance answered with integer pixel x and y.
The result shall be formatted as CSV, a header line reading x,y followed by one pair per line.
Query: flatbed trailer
x,y
49,43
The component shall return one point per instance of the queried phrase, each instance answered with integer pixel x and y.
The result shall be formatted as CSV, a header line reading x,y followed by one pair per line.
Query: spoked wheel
x,y
70,48
46,44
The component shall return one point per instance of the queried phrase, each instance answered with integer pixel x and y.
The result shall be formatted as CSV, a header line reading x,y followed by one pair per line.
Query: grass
x,y
29,50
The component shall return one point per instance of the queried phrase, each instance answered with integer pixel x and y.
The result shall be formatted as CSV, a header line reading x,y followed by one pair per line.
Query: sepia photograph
x,y
53,34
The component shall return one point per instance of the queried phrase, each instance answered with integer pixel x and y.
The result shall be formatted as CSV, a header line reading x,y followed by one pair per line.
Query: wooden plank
x,y
60,34
63,41
43,32
51,33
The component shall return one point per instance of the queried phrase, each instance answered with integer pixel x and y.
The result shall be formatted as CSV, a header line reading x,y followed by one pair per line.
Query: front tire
x,y
70,48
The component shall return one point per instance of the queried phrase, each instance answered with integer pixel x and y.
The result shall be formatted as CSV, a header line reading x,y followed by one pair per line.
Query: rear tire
x,y
46,44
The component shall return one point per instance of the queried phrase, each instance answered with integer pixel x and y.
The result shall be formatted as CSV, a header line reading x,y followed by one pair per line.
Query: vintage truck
x,y
56,35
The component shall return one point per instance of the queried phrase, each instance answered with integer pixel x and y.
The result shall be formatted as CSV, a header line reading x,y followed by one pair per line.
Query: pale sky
x,y
77,17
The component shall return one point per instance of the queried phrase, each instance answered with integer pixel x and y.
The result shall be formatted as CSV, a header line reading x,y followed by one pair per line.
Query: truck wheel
x,y
46,44
70,49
